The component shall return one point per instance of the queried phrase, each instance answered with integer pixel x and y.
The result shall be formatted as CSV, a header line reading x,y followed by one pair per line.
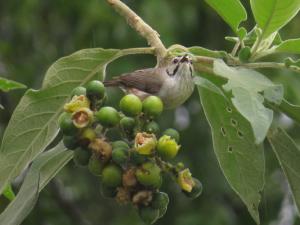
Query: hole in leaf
x,y
240,134
223,131
229,149
229,109
234,123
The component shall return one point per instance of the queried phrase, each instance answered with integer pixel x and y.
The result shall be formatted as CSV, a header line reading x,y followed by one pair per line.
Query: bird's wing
x,y
145,80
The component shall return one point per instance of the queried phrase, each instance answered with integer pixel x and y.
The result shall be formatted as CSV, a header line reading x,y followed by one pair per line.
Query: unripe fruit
x,y
120,155
131,105
152,128
137,158
245,54
95,165
160,201
108,116
76,103
81,156
70,142
127,123
196,191
148,215
112,176
66,124
78,91
88,134
108,192
167,147
145,143
152,106
173,134
96,89
121,144
149,175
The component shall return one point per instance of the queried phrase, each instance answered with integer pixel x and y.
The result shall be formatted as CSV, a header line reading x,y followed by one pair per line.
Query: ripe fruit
x,y
160,201
152,106
117,144
173,134
81,156
120,155
78,91
96,89
108,116
112,176
131,105
149,175
152,128
145,143
148,214
66,124
70,142
167,147
127,123
196,191
95,165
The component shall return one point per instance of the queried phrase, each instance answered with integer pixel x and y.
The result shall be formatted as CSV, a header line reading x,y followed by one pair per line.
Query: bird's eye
x,y
175,60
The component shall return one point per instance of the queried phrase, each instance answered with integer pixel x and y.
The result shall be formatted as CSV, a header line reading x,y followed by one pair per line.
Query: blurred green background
x,y
35,33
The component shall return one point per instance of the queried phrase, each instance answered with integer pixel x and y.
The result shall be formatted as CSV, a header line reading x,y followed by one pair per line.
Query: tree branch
x,y
141,27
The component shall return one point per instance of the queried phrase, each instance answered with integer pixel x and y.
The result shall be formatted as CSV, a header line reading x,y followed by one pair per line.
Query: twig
x,y
141,27
66,204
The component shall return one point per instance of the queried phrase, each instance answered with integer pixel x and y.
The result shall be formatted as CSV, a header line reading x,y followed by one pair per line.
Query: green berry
x,y
245,54
121,144
127,123
78,91
66,124
120,155
112,176
152,127
173,134
137,158
160,201
149,175
131,105
196,191
81,156
70,142
88,134
108,192
96,89
108,116
167,147
148,215
152,106
95,165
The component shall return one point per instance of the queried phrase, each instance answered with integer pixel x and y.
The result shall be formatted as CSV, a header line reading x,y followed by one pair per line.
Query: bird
x,y
172,83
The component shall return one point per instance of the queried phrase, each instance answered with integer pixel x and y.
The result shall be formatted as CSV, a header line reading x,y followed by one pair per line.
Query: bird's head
x,y
180,66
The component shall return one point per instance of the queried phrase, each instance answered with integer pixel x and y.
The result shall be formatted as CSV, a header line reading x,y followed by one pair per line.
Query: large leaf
x,y
43,169
241,160
271,15
289,46
7,85
232,11
34,122
247,87
288,155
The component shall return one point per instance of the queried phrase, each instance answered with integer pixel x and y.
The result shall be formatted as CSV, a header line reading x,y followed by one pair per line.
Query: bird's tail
x,y
111,83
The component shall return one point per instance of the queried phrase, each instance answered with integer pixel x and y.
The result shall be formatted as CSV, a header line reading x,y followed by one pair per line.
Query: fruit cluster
x,y
130,169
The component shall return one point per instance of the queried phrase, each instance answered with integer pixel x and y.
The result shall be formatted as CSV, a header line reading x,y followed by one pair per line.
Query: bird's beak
x,y
184,58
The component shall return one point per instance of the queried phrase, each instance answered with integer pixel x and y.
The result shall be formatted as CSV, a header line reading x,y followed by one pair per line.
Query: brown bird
x,y
173,82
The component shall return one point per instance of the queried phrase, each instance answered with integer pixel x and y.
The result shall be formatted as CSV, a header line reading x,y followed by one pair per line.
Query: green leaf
x,y
232,12
200,51
241,160
247,87
9,193
43,169
291,46
288,155
7,85
33,124
271,15
292,111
